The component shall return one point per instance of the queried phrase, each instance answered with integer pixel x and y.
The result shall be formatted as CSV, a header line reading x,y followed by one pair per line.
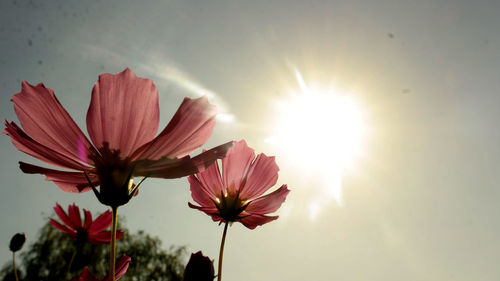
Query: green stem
x,y
112,252
219,272
70,263
14,264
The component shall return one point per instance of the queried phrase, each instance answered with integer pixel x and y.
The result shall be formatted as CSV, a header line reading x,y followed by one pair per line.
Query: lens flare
x,y
322,131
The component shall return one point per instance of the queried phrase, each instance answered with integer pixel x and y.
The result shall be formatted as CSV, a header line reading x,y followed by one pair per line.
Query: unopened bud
x,y
17,242
199,268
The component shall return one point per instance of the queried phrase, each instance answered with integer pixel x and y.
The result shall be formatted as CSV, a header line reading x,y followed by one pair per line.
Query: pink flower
x,y
122,121
236,195
121,269
88,230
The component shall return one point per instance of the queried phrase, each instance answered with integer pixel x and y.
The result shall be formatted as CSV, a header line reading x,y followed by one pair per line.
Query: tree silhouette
x,y
47,258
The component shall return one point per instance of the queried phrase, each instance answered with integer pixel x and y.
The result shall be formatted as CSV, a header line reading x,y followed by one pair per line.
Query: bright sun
x,y
322,129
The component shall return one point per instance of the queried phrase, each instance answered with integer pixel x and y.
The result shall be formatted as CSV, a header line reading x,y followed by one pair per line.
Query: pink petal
x,y
87,275
74,182
203,195
188,130
121,267
253,221
123,112
236,164
211,211
26,144
62,215
211,180
263,174
177,168
88,219
71,233
103,237
45,120
102,222
74,215
119,234
268,203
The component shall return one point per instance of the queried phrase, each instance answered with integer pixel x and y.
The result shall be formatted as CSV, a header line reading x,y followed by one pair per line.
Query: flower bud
x,y
199,268
17,242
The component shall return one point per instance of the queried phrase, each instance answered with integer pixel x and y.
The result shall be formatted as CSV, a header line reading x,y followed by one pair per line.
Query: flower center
x,y
230,206
115,176
81,236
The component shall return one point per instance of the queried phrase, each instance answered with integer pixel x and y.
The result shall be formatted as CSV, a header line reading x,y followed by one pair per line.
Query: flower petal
x,y
263,174
74,182
88,219
252,221
63,216
45,120
210,179
123,112
188,130
87,275
63,228
102,222
203,195
177,168
103,237
26,144
122,266
236,164
268,203
211,211
74,215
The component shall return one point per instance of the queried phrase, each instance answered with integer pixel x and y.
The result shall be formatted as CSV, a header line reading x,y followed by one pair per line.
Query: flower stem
x,y
112,252
219,272
14,264
70,263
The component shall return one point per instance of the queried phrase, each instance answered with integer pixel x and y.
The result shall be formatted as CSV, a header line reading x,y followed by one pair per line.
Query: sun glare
x,y
322,130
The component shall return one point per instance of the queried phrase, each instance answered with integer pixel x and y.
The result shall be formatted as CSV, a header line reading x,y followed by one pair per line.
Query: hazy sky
x,y
419,203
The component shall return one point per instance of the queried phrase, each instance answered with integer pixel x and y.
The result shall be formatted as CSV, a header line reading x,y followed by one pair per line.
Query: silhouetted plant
x,y
46,259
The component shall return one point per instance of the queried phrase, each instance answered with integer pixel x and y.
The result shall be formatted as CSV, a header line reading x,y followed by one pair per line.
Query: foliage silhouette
x,y
47,258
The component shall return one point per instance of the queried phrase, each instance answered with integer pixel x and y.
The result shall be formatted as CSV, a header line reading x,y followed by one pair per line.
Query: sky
x,y
418,200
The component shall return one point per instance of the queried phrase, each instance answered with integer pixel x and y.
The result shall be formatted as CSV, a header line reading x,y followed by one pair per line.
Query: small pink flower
x,y
121,269
236,195
122,121
88,230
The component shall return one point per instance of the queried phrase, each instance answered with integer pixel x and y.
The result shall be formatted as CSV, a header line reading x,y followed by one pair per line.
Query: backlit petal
x,y
253,221
26,144
211,211
74,182
188,130
268,203
211,179
102,222
74,215
44,119
236,164
123,112
62,228
88,219
201,194
263,174
63,216
177,168
103,237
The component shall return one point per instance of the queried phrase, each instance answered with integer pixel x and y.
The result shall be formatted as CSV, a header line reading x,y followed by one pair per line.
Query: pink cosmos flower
x,y
88,230
236,194
121,269
122,121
